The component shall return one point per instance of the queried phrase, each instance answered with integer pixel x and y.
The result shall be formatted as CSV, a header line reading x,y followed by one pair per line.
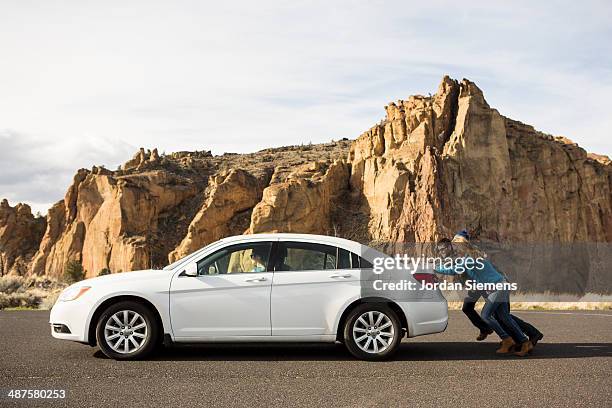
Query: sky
x,y
86,83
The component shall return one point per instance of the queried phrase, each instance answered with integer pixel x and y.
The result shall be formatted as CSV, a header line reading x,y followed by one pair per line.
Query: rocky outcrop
x,y
141,159
304,202
394,166
155,208
230,199
440,163
108,222
20,236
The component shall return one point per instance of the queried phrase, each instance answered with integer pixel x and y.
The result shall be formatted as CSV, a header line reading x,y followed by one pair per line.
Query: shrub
x,y
104,271
48,301
30,299
74,272
10,283
30,292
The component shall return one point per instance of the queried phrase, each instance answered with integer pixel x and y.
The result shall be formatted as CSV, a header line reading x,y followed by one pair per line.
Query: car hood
x,y
127,277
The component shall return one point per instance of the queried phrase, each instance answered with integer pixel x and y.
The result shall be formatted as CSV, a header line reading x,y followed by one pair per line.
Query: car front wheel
x,y
126,331
372,332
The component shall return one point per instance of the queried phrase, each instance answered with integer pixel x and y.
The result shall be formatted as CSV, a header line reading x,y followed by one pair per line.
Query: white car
x,y
249,288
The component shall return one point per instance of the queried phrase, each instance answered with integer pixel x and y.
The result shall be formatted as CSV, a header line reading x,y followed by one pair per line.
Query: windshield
x,y
175,264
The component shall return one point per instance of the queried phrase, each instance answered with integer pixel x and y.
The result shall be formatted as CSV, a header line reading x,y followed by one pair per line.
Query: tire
x,y
367,343
139,330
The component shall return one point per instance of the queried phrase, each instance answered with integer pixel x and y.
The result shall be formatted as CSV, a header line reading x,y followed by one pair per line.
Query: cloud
x,y
240,76
39,170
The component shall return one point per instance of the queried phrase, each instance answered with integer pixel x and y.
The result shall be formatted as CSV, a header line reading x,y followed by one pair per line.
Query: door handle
x,y
261,279
340,275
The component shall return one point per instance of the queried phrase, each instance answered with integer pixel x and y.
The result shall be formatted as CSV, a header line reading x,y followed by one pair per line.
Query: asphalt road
x,y
572,366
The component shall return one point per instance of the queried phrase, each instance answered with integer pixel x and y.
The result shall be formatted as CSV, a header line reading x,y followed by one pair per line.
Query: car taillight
x,y
425,277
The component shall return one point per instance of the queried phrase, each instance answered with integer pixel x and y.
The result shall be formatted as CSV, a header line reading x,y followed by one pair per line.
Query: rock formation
x,y
140,159
154,208
440,163
303,203
108,222
229,202
20,235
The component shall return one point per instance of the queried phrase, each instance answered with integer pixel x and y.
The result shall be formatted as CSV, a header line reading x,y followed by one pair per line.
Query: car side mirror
x,y
191,269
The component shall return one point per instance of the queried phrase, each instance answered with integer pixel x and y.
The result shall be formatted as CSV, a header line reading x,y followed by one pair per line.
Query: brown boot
x,y
506,346
524,349
483,335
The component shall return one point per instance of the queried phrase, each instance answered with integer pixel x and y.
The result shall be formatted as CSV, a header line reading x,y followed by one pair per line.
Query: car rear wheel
x,y
126,331
372,332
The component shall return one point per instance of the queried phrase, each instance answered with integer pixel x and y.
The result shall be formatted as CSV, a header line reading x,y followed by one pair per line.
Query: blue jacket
x,y
488,274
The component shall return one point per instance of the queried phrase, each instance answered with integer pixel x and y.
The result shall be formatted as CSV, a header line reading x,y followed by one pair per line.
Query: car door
x,y
311,285
230,296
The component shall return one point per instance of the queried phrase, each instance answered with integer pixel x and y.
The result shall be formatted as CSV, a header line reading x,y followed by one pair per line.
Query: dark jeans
x,y
496,312
468,308
526,328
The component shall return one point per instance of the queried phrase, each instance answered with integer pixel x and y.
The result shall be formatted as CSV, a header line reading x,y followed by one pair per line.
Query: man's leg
x,y
469,303
503,317
524,346
531,331
501,323
497,305
488,312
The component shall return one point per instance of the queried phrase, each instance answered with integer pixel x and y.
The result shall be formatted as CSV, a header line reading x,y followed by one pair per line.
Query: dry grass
x,y
49,300
546,301
10,284
28,293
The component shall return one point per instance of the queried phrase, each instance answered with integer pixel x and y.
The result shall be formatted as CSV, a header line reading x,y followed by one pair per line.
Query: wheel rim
x,y
373,332
125,331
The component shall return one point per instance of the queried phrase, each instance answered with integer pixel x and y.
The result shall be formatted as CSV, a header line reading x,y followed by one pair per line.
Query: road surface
x,y
572,366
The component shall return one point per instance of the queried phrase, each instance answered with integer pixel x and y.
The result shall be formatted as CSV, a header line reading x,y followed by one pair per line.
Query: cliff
x,y
433,165
160,207
20,235
450,161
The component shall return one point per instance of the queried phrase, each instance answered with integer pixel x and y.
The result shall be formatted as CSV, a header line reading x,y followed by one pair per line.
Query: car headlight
x,y
73,292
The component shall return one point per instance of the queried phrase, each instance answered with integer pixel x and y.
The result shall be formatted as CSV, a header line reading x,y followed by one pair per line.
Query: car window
x,y
359,262
240,258
365,264
344,259
304,256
